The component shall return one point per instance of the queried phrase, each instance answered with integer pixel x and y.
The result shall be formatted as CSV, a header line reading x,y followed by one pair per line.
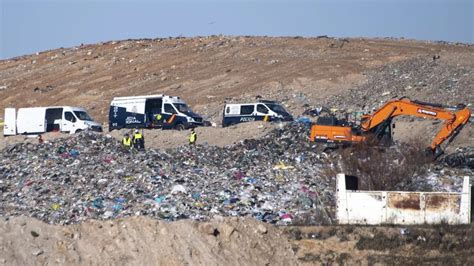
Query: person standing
x,y
159,120
192,137
138,140
126,142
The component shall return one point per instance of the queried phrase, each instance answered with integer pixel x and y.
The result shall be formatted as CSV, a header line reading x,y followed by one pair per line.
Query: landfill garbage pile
x,y
418,78
462,157
89,176
278,179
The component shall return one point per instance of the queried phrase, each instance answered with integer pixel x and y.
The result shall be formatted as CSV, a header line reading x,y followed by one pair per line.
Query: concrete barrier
x,y
402,207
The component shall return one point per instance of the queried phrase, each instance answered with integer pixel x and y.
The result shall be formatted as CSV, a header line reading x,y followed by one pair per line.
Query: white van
x,y
143,112
37,120
235,113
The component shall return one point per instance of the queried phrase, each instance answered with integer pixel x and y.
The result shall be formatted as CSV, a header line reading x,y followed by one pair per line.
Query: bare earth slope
x,y
205,71
229,241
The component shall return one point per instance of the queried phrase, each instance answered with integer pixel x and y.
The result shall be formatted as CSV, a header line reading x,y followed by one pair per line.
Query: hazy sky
x,y
30,26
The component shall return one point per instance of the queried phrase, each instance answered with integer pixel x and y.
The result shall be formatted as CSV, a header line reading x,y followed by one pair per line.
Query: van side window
x,y
69,117
169,109
262,109
246,109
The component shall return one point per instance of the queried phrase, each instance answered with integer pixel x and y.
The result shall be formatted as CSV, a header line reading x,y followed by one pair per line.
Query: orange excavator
x,y
340,132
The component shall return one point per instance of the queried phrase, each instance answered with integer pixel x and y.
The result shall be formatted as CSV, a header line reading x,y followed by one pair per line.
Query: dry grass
x,y
384,168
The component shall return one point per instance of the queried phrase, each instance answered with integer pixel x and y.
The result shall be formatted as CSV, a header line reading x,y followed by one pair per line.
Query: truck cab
x,y
77,119
175,113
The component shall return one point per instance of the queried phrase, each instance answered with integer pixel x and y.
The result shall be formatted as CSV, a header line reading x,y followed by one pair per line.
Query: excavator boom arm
x,y
451,128
453,120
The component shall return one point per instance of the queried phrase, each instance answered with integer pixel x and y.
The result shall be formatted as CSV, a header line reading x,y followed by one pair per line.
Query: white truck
x,y
37,120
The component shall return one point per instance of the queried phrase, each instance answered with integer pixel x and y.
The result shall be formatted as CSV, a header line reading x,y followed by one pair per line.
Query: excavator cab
x,y
383,132
326,121
334,131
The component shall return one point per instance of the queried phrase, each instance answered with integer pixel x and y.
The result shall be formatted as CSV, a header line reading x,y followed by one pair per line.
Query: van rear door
x,y
31,120
9,126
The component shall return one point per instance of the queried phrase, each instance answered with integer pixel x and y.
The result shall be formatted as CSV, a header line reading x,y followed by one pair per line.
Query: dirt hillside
x,y
350,74
206,71
230,241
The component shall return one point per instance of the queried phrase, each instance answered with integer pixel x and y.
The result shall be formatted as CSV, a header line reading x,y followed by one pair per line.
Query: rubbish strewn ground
x,y
280,178
90,176
166,139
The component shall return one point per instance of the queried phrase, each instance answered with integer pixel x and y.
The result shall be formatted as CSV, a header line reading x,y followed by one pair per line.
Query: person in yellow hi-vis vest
x,y
138,140
126,142
192,137
158,119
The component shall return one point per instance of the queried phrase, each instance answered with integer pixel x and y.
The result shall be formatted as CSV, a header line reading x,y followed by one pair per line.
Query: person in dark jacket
x,y
138,140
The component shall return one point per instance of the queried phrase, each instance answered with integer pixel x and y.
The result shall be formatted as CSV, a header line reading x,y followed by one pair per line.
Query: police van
x,y
261,111
37,120
152,111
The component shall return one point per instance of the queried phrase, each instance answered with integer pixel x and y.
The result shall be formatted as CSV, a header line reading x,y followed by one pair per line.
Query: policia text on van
x,y
151,111
261,111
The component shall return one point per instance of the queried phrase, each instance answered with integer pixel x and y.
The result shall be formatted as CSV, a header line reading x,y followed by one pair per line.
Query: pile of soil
x,y
238,241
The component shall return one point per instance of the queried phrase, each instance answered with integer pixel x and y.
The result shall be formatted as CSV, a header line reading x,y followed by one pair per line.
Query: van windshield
x,y
277,108
81,115
182,108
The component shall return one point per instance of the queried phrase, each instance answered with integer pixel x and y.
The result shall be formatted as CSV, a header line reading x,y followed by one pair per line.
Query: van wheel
x,y
78,131
180,127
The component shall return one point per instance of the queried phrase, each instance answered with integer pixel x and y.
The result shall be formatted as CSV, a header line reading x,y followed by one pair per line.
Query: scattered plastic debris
x,y
88,176
278,179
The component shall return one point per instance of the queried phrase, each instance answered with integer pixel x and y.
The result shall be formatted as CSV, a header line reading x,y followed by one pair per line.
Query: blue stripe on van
x,y
120,118
231,120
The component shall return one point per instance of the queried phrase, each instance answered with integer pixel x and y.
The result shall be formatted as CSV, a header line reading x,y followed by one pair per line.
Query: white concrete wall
x,y
400,207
